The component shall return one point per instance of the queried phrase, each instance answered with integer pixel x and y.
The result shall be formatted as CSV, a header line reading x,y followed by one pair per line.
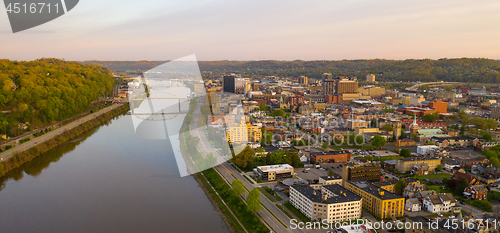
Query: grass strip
x,y
249,220
296,212
284,211
275,216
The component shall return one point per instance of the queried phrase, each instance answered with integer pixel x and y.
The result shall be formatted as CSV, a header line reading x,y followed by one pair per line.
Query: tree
x,y
263,107
494,161
387,127
400,186
238,187
244,159
378,141
266,137
448,88
405,153
439,168
461,185
330,172
253,200
414,136
487,136
325,145
280,113
462,129
295,160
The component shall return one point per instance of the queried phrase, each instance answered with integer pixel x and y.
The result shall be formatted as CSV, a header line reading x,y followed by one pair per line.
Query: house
x,y
441,203
470,179
420,169
410,190
478,192
423,194
413,205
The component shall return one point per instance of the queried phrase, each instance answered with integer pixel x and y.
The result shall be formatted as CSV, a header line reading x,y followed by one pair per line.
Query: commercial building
x,y
328,84
346,85
370,78
330,157
303,80
229,83
274,172
333,202
377,201
495,113
406,164
370,172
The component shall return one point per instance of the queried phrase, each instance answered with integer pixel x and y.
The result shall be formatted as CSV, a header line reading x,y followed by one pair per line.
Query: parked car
x,y
405,215
439,214
463,203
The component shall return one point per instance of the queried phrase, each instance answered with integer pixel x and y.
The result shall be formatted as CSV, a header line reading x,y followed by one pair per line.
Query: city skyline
x,y
225,30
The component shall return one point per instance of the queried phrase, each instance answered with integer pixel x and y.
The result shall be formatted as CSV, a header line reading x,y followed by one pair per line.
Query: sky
x,y
256,30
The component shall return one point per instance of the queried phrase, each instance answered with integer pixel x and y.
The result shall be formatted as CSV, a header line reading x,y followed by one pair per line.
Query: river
x,y
108,180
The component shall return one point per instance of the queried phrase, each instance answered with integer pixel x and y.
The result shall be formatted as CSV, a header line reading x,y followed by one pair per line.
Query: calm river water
x,y
108,180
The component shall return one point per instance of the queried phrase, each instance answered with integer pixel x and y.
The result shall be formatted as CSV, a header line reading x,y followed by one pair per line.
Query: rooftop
x,y
373,190
275,168
340,194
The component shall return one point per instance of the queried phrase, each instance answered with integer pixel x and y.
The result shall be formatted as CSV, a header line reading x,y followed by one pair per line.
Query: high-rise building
x,y
495,113
255,87
346,85
328,84
229,83
370,78
303,80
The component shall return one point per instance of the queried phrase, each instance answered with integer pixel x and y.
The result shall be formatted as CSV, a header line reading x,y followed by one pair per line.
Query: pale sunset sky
x,y
254,30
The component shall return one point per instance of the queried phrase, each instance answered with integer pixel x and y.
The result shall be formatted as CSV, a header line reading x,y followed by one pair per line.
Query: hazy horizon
x,y
218,30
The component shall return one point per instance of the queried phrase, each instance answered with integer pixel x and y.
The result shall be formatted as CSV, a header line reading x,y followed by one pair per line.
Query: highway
x,y
38,140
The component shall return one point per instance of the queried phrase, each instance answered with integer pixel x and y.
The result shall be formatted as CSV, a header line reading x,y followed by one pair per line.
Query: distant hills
x,y
474,70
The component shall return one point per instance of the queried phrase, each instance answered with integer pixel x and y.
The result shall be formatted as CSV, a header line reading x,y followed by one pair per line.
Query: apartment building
x,y
242,133
377,201
332,202
406,164
370,172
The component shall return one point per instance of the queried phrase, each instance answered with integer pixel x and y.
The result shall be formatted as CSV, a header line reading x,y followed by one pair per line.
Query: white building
x,y
413,205
426,150
441,203
332,202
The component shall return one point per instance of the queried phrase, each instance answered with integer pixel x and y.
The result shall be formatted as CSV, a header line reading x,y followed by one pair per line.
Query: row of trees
x,y
48,90
247,159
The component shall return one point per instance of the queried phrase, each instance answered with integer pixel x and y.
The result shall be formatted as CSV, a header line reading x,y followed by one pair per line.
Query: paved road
x,y
227,171
35,141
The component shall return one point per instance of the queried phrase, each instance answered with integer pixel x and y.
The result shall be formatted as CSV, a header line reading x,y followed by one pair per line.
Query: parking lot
x,y
311,174
468,153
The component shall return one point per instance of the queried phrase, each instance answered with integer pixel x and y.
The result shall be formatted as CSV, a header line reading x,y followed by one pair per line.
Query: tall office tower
x,y
328,84
346,85
255,87
229,83
370,78
303,80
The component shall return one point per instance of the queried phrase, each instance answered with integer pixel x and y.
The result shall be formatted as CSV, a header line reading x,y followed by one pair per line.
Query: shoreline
x,y
214,203
19,158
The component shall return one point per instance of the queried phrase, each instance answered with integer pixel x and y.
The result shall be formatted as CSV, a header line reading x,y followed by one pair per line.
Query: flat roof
x,y
335,177
340,194
373,190
275,168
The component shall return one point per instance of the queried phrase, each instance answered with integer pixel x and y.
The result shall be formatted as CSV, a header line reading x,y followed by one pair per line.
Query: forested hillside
x,y
47,90
457,70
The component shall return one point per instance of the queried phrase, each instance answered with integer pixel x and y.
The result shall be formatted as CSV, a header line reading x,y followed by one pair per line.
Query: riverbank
x,y
19,158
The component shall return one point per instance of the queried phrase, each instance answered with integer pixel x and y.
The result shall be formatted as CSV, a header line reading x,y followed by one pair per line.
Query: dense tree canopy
x,y
48,90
